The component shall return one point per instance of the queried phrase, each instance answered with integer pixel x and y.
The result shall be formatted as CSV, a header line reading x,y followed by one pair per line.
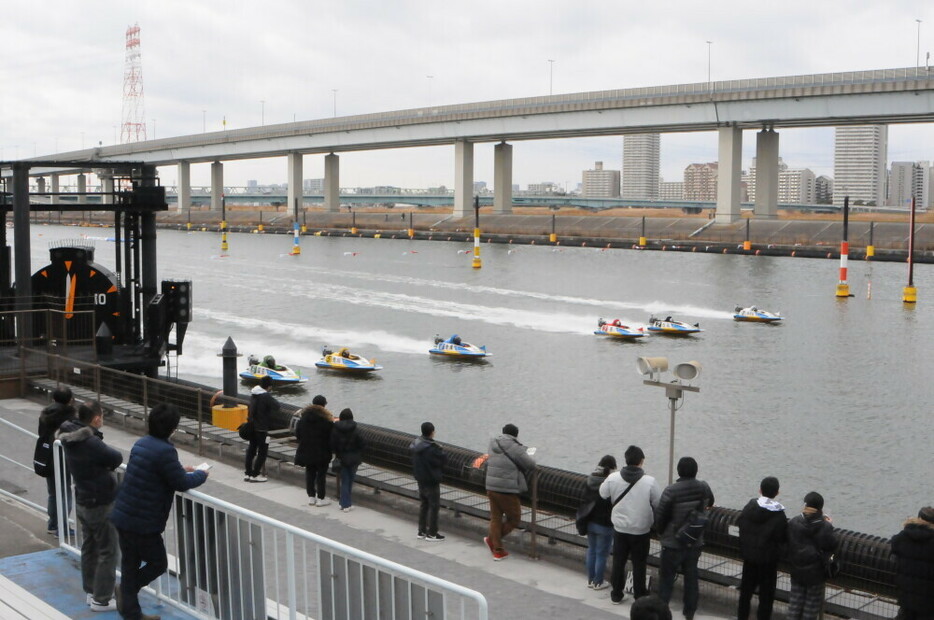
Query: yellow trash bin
x,y
228,417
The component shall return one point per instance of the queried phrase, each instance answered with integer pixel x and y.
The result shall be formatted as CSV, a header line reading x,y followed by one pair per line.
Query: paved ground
x,y
517,588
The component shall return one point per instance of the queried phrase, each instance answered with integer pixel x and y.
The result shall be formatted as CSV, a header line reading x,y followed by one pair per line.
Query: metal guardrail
x,y
229,562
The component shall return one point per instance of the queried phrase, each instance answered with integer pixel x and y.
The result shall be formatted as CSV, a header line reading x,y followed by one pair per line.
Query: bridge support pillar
x,y
40,185
766,174
463,178
217,186
82,188
295,184
729,174
107,187
332,183
183,188
502,178
55,188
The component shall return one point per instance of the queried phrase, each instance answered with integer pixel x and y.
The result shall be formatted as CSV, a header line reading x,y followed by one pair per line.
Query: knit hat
x,y
319,400
814,500
511,429
927,514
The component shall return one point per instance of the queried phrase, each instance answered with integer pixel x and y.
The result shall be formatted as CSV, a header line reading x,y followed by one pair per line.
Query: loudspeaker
x,y
687,370
651,365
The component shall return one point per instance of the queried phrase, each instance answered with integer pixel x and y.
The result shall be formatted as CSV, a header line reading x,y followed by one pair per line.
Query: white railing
x,y
229,562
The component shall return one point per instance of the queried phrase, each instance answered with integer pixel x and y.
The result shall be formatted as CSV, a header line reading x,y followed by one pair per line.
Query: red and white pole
x,y
843,288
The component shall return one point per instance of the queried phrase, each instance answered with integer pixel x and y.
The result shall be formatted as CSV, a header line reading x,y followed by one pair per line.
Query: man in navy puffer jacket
x,y
153,474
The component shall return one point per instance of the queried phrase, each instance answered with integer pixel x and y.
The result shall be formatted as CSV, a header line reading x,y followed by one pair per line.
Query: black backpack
x,y
42,462
688,535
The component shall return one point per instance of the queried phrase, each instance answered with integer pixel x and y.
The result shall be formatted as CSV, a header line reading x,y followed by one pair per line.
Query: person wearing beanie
x,y
674,509
634,496
599,524
263,408
428,460
313,432
348,445
913,549
811,542
51,418
762,535
507,468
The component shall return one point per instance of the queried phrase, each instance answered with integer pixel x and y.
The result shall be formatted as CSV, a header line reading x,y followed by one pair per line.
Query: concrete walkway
x,y
517,588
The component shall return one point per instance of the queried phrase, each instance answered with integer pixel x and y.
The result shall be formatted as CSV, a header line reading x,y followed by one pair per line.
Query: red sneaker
x,y
489,544
500,555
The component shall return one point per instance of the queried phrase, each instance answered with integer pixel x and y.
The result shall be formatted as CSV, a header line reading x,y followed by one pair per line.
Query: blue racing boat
x,y
455,347
280,374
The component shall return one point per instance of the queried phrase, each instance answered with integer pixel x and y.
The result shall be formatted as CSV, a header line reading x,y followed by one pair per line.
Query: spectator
x,y
634,496
153,475
599,524
348,445
762,535
314,449
50,420
91,464
811,541
650,607
428,460
262,409
674,510
506,472
913,549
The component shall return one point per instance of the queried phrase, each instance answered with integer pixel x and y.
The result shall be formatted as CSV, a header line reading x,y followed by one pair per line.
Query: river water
x,y
836,399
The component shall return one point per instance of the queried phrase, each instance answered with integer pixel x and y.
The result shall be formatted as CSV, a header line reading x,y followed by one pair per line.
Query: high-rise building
x,y
313,186
600,183
907,180
797,187
700,181
749,178
823,190
640,166
859,160
670,190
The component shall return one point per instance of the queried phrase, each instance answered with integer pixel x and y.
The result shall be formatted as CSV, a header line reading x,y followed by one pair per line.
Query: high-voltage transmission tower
x,y
134,126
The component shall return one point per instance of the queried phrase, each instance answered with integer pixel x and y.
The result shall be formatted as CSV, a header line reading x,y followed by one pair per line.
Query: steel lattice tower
x,y
134,127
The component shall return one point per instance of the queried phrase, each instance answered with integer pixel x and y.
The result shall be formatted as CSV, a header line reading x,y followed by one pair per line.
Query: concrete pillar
x,y
295,184
332,183
183,187
40,187
107,187
502,178
729,174
217,186
55,188
766,174
82,187
463,178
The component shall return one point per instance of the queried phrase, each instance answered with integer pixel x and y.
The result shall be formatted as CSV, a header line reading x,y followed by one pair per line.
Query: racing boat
x,y
345,361
280,374
672,328
615,329
455,347
753,314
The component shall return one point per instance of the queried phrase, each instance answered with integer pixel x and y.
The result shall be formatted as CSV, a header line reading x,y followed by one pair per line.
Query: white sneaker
x,y
603,585
110,605
347,509
259,478
248,478
312,501
322,502
90,598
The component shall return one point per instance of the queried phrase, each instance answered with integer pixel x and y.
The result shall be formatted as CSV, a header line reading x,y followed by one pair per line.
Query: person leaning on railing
x,y
153,475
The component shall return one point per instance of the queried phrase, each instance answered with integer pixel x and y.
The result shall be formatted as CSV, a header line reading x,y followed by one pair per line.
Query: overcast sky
x,y
62,67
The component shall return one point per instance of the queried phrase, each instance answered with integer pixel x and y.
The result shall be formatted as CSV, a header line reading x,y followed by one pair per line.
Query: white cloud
x,y
62,70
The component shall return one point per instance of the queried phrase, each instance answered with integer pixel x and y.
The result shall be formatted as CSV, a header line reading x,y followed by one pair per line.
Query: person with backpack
x,y
598,524
313,432
762,535
506,471
348,445
263,407
811,542
50,420
680,518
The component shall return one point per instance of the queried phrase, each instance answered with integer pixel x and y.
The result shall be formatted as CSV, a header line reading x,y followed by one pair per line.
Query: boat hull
x,y
619,333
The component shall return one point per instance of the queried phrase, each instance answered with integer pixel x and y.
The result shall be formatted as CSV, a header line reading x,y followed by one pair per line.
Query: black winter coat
x,y
50,420
810,540
428,460
674,506
602,508
913,549
263,408
762,533
313,432
347,443
91,463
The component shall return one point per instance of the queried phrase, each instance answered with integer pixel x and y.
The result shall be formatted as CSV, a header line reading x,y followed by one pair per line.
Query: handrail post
x,y
200,423
532,526
290,573
97,381
145,397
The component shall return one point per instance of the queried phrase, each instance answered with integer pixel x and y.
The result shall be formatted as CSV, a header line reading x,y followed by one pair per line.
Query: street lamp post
x,y
204,121
551,76
334,90
709,43
674,390
918,53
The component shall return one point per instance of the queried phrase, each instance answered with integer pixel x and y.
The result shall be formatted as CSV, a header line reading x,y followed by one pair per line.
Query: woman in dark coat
x,y
348,446
313,432
599,525
913,549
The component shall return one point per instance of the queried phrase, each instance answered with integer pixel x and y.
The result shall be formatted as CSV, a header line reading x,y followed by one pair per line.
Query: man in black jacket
x,y
674,510
91,464
913,549
262,409
811,542
50,420
762,531
428,461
